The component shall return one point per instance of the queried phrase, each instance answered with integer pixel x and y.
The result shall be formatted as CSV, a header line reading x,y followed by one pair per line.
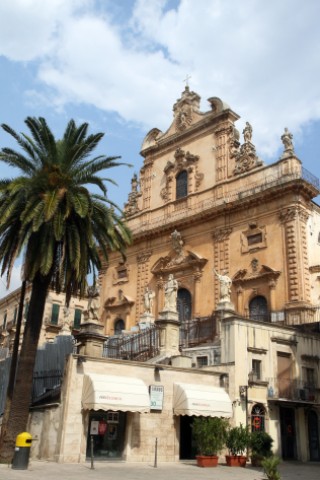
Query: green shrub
x,y
261,444
210,434
238,439
270,467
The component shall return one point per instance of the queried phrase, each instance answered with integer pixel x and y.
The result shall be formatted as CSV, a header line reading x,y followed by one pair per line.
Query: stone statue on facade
x,y
66,321
93,302
148,300
247,133
170,294
287,142
225,286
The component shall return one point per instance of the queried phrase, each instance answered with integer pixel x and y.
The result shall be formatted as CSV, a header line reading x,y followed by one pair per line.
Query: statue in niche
x,y
148,300
225,286
93,302
177,245
170,294
247,133
287,141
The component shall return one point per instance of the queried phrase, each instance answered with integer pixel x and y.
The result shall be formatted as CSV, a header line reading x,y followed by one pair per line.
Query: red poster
x,y
102,428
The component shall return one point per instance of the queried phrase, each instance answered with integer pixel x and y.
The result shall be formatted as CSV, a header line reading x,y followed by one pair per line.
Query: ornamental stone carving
x,y
131,207
286,139
245,157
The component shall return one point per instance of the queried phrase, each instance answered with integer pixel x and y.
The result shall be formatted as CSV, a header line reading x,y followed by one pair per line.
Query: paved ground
x,y
135,471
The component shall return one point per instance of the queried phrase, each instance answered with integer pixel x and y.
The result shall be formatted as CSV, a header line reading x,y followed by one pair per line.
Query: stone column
x,y
91,339
169,325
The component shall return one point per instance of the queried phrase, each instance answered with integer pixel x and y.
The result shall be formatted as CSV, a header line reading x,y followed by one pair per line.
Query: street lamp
x,y
243,392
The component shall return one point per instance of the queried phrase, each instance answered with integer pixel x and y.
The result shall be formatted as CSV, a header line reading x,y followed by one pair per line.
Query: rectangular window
x,y
309,377
77,318
256,369
256,238
26,310
4,320
15,315
55,314
202,361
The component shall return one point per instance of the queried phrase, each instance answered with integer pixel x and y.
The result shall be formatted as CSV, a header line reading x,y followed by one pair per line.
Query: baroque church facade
x,y
206,205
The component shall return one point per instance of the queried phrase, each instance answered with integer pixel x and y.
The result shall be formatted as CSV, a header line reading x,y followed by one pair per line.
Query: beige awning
x,y
201,400
111,392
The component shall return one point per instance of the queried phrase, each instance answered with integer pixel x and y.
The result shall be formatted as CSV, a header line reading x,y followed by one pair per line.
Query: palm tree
x,y
63,231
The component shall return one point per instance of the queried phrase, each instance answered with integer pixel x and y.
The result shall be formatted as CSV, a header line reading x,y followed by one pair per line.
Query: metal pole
x,y
91,449
156,454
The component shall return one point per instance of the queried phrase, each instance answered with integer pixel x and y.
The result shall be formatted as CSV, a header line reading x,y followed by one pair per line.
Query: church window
x,y
182,185
252,239
184,304
258,309
119,326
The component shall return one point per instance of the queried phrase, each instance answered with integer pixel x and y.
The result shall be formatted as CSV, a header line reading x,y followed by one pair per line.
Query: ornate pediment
x,y
118,302
256,272
174,263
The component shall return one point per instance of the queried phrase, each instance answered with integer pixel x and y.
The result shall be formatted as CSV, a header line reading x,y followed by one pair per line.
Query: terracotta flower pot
x,y
236,460
207,460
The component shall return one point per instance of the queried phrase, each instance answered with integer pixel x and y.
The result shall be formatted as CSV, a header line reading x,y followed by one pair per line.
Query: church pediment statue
x,y
245,156
178,258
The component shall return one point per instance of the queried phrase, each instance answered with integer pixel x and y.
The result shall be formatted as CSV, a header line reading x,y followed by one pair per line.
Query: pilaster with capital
x,y
221,255
294,220
143,262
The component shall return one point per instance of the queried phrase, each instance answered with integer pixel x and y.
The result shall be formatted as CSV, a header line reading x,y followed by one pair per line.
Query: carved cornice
x,y
221,234
291,213
143,257
285,341
257,350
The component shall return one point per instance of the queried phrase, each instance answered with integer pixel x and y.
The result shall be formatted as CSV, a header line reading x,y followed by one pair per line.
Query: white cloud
x,y
14,283
259,57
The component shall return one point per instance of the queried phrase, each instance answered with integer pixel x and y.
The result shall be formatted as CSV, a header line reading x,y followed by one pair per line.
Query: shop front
x,y
107,399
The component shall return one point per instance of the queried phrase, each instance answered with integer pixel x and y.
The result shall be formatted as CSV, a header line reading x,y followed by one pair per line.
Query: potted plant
x,y
237,443
270,467
209,434
261,447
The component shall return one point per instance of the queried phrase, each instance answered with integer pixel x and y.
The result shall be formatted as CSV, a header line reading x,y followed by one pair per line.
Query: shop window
x,y
182,185
258,414
256,370
77,318
258,309
119,325
55,314
202,361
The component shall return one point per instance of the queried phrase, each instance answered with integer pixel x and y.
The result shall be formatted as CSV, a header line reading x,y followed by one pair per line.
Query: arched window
x,y
184,304
118,326
258,414
182,184
258,309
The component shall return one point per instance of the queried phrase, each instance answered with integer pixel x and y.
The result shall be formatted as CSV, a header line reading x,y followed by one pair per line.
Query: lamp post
x,y
243,392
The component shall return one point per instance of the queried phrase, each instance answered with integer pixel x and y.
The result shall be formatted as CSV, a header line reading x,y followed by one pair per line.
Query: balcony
x,y
292,391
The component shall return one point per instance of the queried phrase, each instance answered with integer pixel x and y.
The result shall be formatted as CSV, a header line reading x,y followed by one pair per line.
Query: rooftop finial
x,y
186,80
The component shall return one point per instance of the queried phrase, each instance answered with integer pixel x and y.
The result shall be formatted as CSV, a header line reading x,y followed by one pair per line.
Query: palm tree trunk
x,y
21,398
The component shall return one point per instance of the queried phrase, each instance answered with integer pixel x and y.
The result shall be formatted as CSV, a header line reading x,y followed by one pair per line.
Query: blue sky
x,y
120,64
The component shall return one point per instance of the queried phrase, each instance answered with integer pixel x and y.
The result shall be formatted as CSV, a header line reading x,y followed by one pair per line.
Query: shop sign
x,y
156,397
94,427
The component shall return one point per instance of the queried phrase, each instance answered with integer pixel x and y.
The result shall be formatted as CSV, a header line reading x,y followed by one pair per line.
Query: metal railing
x,y
292,389
236,195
